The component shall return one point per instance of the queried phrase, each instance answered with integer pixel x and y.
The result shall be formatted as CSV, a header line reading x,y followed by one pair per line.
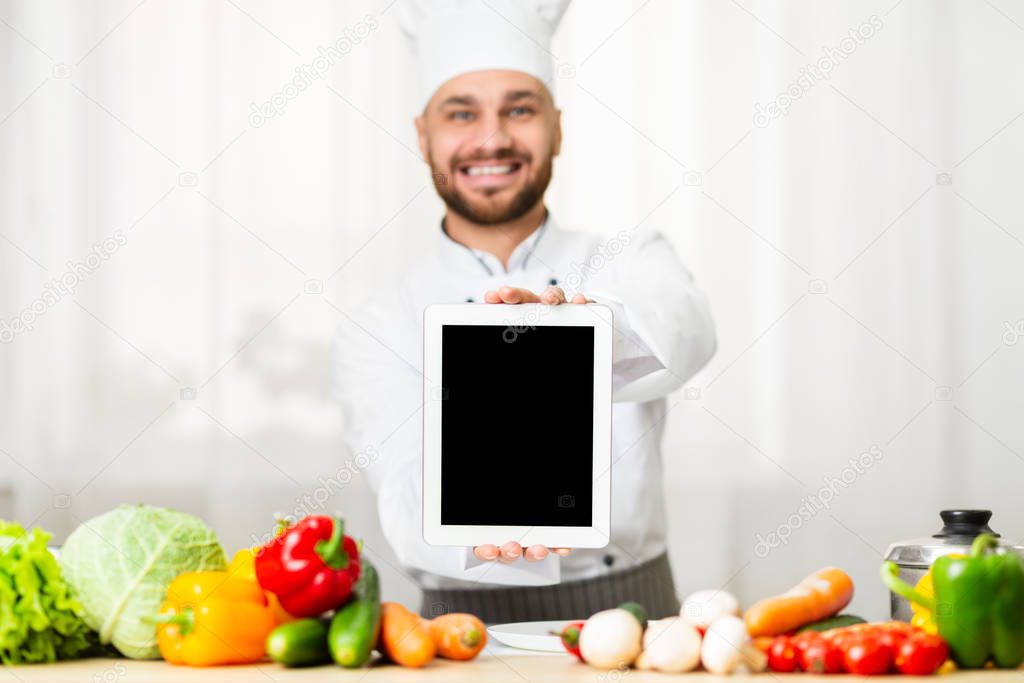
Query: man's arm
x,y
663,332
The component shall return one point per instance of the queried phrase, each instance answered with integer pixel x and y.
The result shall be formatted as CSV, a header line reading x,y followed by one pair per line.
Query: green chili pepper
x,y
978,604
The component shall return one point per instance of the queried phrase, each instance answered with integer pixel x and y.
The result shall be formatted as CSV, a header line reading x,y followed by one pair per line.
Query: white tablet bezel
x,y
519,319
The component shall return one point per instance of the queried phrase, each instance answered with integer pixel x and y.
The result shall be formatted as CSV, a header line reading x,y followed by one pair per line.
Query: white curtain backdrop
x,y
843,178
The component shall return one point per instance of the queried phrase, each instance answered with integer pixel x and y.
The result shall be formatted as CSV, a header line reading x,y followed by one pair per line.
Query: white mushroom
x,y
671,645
611,639
703,607
727,644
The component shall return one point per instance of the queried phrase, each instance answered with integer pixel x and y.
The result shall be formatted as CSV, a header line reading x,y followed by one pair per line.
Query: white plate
x,y
529,635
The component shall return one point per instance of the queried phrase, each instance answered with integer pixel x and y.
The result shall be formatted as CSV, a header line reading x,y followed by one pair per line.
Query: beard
x,y
492,212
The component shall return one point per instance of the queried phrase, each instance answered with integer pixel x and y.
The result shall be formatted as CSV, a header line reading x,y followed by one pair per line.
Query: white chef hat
x,y
454,37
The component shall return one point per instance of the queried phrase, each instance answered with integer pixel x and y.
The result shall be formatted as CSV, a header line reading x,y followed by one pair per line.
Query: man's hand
x,y
551,296
512,551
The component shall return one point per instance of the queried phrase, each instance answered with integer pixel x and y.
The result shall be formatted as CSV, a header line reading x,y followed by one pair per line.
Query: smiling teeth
x,y
488,170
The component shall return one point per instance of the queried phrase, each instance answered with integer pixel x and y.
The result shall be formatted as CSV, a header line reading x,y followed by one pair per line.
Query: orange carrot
x,y
404,636
817,597
458,635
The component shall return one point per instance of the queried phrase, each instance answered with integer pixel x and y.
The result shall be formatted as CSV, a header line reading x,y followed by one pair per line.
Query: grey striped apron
x,y
649,583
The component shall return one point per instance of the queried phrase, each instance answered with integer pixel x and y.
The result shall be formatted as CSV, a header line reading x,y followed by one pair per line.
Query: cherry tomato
x,y
838,637
782,655
822,656
801,640
864,655
921,654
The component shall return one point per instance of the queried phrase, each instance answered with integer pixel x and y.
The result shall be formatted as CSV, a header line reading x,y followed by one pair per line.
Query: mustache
x,y
503,153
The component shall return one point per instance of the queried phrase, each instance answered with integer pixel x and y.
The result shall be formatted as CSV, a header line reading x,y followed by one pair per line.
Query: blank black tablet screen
x,y
517,411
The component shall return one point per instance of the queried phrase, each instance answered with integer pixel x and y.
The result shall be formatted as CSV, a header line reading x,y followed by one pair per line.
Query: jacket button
x,y
553,281
469,299
608,560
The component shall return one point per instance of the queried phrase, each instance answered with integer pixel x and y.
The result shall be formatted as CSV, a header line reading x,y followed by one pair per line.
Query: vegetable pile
x,y
799,630
977,604
305,598
40,621
153,582
147,582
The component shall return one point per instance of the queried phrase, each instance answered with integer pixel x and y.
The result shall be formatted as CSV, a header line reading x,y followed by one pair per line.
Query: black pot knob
x,y
965,523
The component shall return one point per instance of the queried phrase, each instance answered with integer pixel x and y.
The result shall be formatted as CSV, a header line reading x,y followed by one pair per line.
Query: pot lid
x,y
960,528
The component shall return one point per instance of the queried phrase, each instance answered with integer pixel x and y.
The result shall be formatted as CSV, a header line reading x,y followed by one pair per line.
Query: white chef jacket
x,y
663,334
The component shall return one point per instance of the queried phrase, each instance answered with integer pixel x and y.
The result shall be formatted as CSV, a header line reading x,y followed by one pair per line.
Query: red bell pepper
x,y
311,566
570,637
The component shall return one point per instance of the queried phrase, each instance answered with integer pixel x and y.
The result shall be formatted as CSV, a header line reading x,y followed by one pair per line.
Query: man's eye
x,y
520,111
461,116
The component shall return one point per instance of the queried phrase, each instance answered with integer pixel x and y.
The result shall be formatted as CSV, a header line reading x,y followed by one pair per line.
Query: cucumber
x,y
299,643
354,629
637,610
838,621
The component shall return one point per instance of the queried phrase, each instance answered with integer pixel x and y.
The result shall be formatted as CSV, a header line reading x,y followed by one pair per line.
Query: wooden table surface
x,y
510,668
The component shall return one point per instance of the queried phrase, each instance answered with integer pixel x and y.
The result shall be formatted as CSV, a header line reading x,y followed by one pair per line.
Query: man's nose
x,y
493,135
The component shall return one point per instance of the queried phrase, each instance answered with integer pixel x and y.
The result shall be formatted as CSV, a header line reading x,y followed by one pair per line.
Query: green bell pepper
x,y
978,604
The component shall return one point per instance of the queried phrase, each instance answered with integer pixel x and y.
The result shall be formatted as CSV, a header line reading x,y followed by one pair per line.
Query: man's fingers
x,y
536,553
486,552
517,295
580,299
510,552
552,296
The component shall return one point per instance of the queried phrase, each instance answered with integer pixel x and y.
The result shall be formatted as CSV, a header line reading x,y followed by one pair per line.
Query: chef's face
x,y
489,137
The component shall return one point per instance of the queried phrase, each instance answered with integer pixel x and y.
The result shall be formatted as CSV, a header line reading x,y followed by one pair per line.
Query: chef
x,y
489,131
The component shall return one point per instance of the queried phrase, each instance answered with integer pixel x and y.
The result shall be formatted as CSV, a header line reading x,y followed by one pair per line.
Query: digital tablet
x,y
517,424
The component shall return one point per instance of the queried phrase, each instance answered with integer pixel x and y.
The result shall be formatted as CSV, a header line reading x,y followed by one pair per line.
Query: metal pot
x,y
914,557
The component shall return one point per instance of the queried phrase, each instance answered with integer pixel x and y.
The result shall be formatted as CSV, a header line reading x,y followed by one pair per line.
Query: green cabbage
x,y
121,563
39,619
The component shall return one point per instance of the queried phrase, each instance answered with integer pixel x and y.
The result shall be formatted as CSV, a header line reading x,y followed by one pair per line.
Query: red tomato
x,y
891,642
921,654
801,640
782,655
822,656
865,656
838,637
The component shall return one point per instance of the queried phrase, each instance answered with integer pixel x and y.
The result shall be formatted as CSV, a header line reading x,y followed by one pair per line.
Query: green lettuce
x,y
120,565
39,619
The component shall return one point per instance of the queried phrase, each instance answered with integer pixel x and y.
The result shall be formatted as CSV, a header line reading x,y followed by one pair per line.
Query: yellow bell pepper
x,y
923,617
242,566
213,618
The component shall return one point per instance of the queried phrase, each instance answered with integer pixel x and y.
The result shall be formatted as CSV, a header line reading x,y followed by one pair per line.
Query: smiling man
x,y
490,131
